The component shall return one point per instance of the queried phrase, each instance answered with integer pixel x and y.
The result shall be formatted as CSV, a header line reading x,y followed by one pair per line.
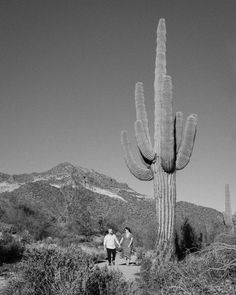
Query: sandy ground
x,y
130,272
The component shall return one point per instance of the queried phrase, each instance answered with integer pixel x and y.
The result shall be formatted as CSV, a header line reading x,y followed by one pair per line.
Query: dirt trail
x,y
130,272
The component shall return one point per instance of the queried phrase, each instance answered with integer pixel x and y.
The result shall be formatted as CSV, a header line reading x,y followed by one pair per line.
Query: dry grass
x,y
52,270
210,271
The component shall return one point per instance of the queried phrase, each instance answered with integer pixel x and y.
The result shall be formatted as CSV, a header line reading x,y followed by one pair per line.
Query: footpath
x,y
130,272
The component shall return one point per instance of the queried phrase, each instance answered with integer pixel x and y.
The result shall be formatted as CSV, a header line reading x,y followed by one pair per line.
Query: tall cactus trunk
x,y
228,211
165,198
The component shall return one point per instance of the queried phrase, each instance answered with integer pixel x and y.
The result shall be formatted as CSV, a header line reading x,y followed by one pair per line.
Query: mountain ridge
x,y
65,174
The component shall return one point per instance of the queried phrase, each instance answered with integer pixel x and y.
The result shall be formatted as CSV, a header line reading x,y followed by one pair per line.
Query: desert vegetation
x,y
37,240
51,269
210,271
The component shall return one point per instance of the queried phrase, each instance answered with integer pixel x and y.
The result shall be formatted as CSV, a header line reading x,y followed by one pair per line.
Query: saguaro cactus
x,y
228,211
172,147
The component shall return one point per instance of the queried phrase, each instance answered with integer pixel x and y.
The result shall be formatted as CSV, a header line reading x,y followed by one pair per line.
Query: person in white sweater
x,y
110,243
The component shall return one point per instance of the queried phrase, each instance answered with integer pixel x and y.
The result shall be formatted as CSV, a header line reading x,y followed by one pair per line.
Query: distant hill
x,y
69,199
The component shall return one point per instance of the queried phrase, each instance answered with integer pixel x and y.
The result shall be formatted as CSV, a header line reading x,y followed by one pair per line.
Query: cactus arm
x,y
144,145
178,129
160,71
167,127
141,113
187,143
140,172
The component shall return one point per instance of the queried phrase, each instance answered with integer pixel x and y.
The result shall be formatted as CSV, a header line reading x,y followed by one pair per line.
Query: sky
x,y
67,75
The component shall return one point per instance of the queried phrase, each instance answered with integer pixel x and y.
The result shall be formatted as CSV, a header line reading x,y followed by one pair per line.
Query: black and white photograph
x,y
117,147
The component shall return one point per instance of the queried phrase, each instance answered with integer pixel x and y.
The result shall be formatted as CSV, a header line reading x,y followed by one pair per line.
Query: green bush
x,y
67,239
10,249
189,242
109,282
98,256
52,270
7,228
47,269
30,217
26,237
140,255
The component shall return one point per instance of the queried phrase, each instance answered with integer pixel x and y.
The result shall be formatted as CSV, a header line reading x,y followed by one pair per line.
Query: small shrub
x,y
10,249
106,282
49,270
188,241
30,217
68,239
7,228
140,255
98,256
26,237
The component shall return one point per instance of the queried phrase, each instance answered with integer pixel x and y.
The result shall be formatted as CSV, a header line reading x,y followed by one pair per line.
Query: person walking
x,y
126,242
109,243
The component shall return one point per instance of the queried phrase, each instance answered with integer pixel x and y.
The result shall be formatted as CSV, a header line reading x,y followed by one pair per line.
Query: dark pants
x,y
111,252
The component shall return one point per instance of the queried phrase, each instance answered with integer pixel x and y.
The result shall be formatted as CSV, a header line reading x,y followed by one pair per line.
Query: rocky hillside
x,y
66,174
68,199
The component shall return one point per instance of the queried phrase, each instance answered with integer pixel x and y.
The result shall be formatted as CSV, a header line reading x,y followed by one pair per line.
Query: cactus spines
x,y
228,211
172,148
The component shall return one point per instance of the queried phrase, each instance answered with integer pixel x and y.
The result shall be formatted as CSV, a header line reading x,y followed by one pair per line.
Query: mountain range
x,y
71,200
66,174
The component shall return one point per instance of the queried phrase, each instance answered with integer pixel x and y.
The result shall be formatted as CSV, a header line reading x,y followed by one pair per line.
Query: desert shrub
x,y
98,256
196,227
68,239
10,249
7,228
47,269
210,271
26,237
140,255
80,220
97,240
29,217
109,282
51,270
115,221
190,241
